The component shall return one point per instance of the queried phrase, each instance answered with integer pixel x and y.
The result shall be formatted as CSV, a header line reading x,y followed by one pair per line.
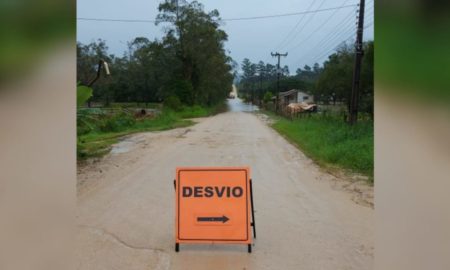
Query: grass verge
x,y
199,111
330,142
97,131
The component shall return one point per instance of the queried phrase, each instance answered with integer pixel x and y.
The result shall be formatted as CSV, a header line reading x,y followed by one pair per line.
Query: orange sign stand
x,y
214,205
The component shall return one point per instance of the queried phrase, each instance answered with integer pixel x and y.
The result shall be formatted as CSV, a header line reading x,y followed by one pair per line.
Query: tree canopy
x,y
329,82
335,82
189,63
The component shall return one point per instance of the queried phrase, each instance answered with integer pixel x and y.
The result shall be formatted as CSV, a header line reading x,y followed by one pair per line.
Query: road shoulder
x,y
356,185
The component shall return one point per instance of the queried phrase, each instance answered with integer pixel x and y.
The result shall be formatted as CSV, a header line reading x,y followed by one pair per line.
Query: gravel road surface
x,y
126,202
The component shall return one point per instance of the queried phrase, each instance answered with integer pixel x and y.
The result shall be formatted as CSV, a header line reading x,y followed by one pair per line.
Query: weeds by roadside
x,y
199,111
331,142
98,129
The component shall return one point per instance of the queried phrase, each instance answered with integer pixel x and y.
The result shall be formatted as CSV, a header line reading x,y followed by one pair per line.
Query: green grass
x,y
98,129
330,142
98,141
135,105
199,111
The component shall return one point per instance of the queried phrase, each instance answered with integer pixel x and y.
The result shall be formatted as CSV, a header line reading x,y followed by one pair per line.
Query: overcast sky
x,y
307,38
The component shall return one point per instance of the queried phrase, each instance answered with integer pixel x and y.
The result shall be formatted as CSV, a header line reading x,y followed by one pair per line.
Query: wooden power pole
x,y
357,68
277,54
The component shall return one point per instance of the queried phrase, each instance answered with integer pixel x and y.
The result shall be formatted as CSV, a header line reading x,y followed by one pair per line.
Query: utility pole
x,y
357,68
253,90
277,54
260,87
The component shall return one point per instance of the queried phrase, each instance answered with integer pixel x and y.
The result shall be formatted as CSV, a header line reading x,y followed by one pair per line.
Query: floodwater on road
x,y
237,105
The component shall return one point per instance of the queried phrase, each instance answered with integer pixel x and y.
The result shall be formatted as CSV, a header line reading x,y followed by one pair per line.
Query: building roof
x,y
288,93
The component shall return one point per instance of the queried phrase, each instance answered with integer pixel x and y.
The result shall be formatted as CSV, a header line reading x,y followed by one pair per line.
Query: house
x,y
304,97
284,98
294,96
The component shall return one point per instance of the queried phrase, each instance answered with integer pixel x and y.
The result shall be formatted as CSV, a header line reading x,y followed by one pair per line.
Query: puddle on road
x,y
122,147
125,145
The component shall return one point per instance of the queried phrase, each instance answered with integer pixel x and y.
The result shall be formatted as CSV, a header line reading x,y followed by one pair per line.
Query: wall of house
x,y
304,97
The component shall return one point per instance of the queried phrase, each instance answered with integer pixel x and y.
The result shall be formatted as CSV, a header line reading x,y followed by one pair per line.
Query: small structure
x,y
284,98
294,96
304,97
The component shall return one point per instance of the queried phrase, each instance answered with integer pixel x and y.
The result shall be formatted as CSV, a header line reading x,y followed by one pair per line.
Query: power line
x,y
304,25
224,20
288,14
352,35
318,28
344,30
369,25
369,4
370,18
333,38
295,27
333,44
327,52
370,13
334,47
349,27
307,22
334,33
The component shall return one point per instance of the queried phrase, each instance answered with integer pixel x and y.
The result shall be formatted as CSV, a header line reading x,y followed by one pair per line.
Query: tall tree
x,y
205,68
335,81
189,63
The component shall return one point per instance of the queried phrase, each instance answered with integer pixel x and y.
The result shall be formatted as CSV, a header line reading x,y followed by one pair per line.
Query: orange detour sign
x,y
214,205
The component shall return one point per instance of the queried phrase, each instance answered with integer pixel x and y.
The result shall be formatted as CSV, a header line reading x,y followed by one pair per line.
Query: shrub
x,y
267,97
173,102
117,122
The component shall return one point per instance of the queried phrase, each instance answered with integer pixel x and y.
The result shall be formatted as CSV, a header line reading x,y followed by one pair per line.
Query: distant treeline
x,y
188,66
329,83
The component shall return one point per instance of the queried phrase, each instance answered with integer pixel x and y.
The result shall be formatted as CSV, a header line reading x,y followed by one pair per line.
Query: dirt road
x,y
126,203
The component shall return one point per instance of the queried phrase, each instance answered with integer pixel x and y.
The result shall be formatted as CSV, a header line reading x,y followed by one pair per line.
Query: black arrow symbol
x,y
213,219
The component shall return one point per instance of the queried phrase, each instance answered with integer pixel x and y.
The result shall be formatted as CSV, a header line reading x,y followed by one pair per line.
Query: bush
x,y
117,122
267,97
202,111
194,111
87,120
173,102
183,90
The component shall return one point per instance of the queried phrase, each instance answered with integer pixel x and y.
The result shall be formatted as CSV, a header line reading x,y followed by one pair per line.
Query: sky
x,y
307,38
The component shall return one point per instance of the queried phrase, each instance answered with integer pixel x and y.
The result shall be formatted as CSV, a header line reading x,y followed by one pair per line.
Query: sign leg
x,y
253,210
249,248
177,247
